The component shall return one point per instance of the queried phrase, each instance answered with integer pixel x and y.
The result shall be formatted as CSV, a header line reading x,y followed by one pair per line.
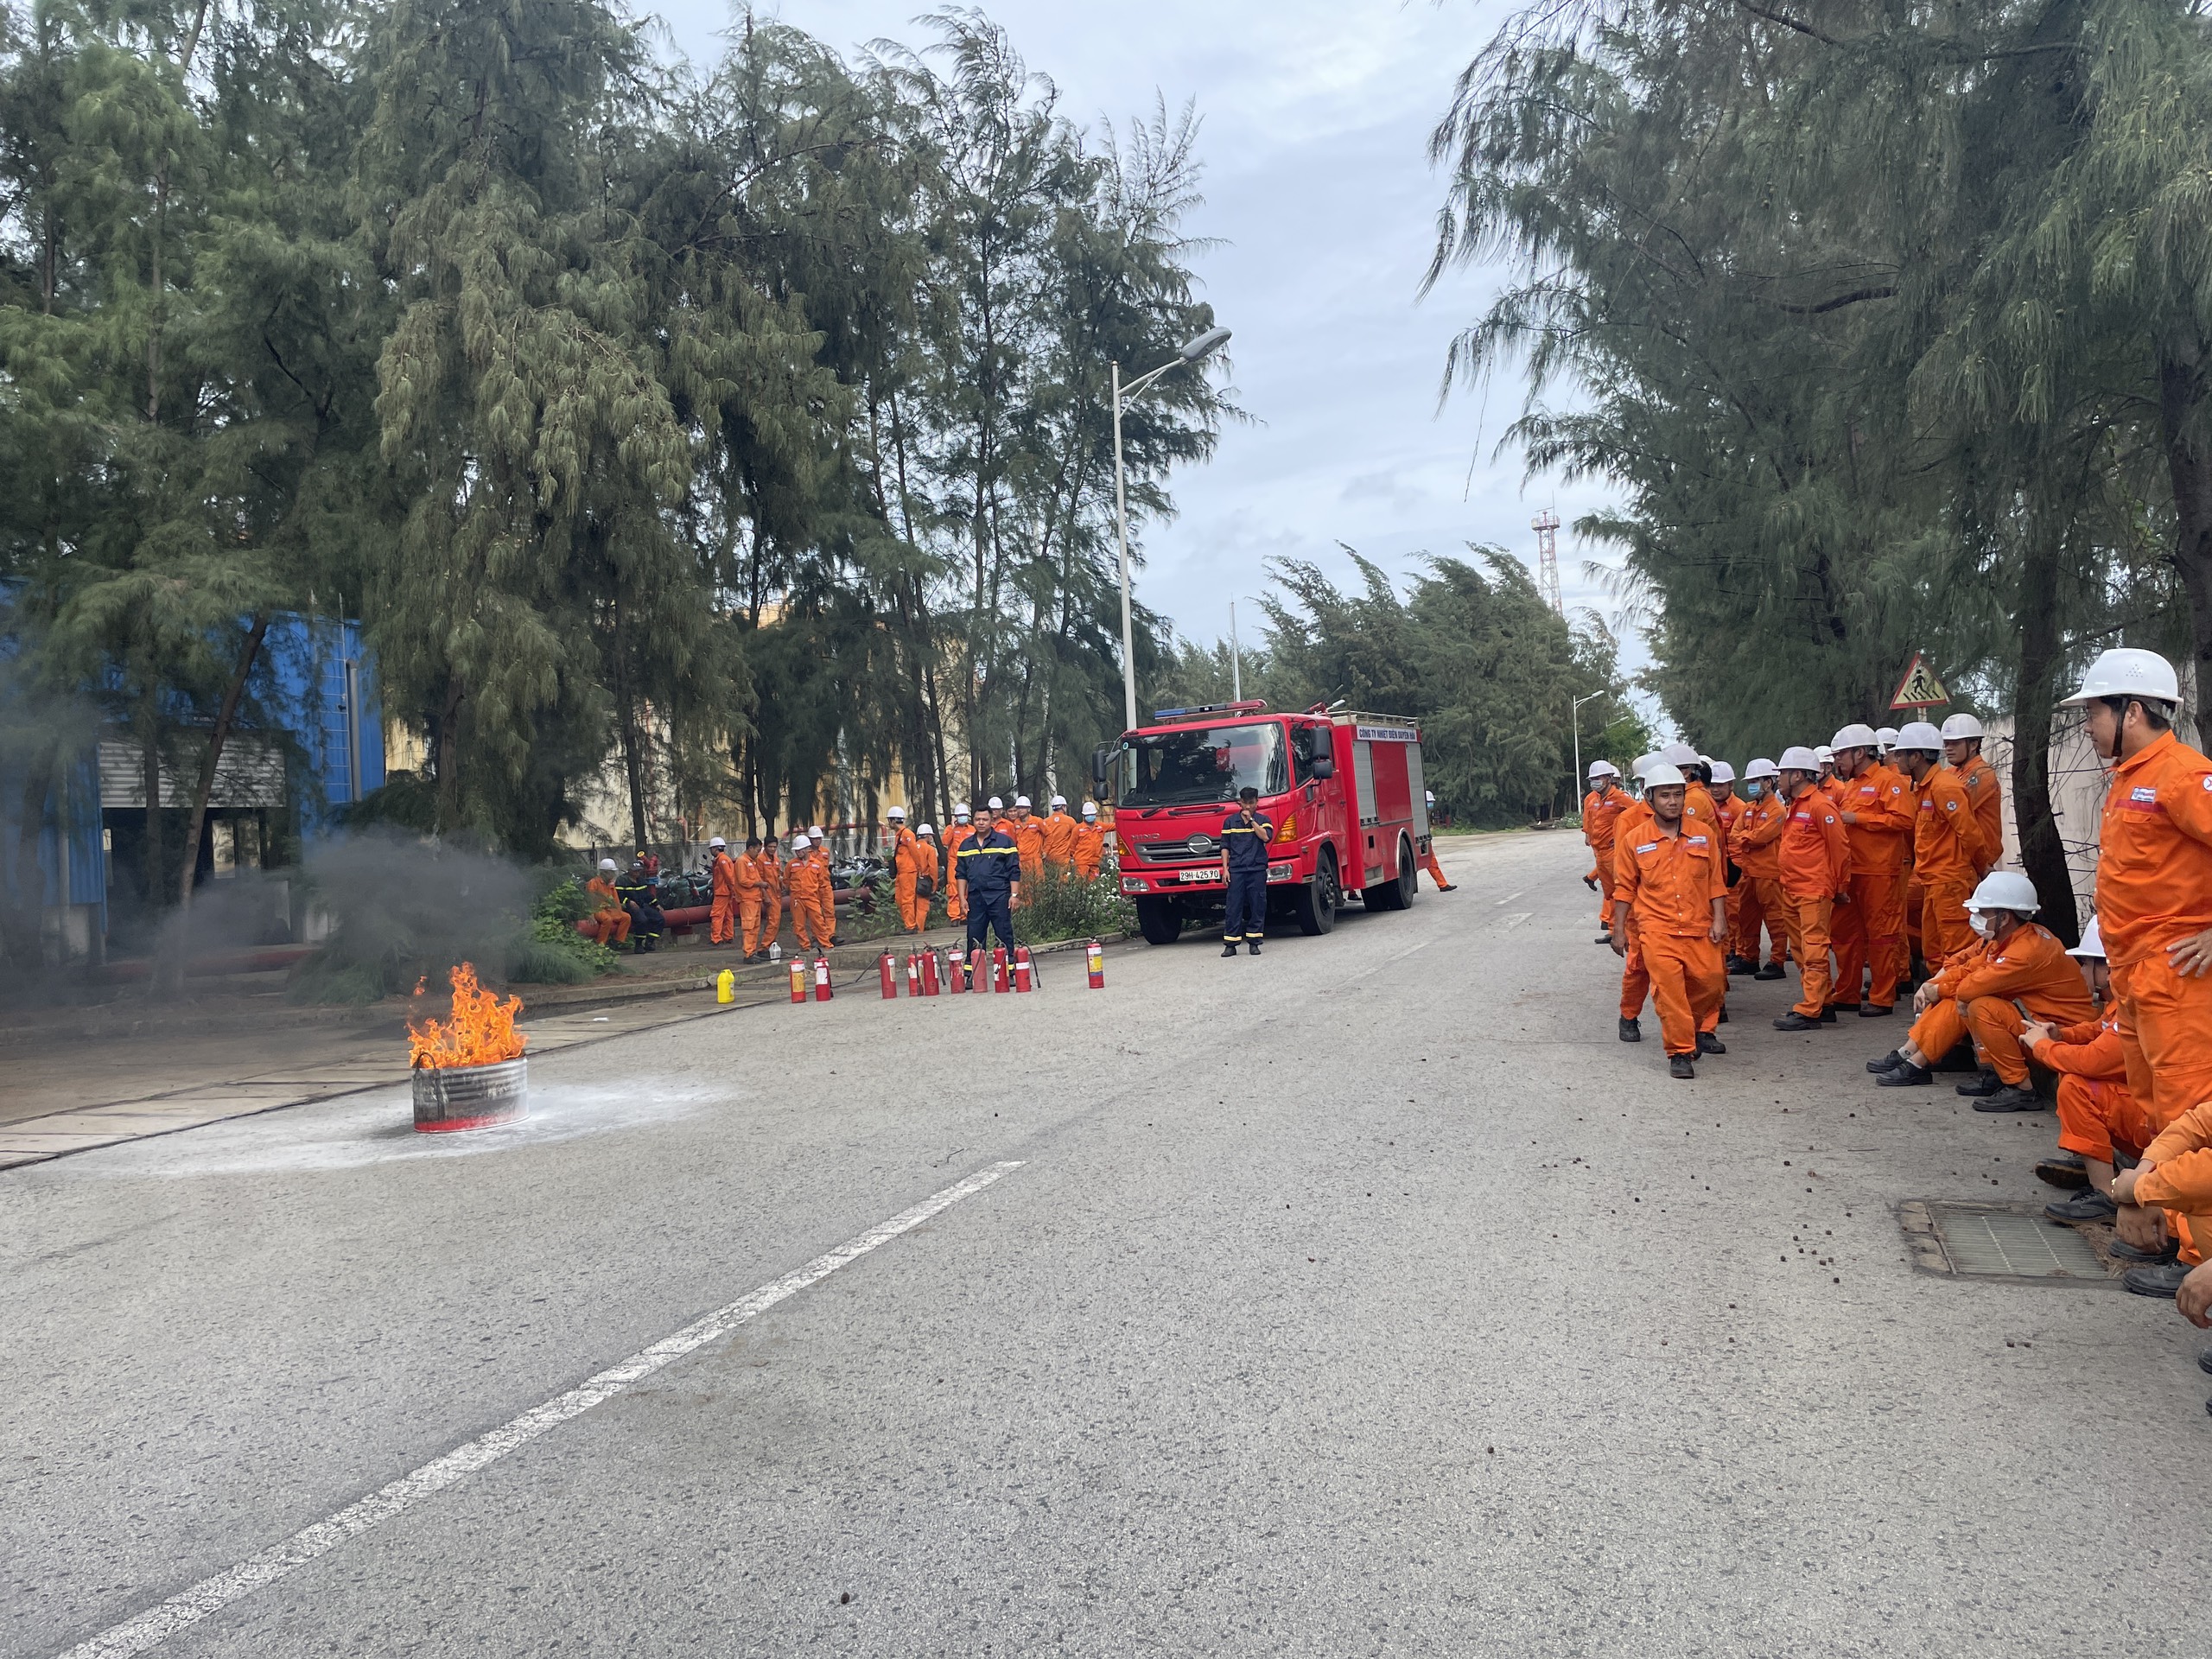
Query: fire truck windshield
x,y
1197,764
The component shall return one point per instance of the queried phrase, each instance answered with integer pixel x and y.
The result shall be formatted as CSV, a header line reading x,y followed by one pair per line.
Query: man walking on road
x,y
989,880
1670,895
1245,836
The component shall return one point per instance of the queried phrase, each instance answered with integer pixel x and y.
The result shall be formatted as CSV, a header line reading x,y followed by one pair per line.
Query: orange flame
x,y
481,1033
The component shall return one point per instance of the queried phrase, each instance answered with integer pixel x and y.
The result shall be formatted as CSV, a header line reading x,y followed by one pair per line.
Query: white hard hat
x,y
1661,774
1798,758
1059,800
1090,809
1431,794
960,811
1678,755
924,829
1723,772
1919,734
814,830
2005,890
1601,769
1761,769
1958,726
607,864
1641,764
717,841
2128,672
2092,945
996,805
814,836
1854,736
1021,800
1886,736
896,812
1823,753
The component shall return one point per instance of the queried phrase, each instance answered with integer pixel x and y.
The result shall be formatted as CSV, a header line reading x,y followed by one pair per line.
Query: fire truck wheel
x,y
1316,908
1161,920
1398,894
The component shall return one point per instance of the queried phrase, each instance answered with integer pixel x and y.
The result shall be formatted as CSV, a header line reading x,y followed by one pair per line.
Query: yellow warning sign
x,y
1920,688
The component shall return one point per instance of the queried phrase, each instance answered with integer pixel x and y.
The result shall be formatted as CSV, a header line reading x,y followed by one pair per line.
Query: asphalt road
x,y
1366,1298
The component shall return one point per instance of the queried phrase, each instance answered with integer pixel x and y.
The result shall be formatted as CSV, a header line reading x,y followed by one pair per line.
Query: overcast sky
x,y
1316,117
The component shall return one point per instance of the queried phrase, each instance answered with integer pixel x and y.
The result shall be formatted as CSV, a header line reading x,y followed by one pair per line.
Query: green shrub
x,y
1067,908
552,952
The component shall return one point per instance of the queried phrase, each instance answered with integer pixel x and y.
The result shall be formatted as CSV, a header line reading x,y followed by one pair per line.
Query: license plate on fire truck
x,y
1200,875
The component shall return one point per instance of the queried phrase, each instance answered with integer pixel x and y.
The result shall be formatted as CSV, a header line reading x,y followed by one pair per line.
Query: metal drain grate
x,y
1996,1241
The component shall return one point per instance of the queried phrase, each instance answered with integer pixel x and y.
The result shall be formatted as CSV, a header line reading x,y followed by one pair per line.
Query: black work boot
x,y
2087,1204
1680,1065
1984,1084
2062,1169
1709,1044
1876,1010
1794,1021
1904,1075
1889,1062
1772,970
1253,947
1631,1031
2163,1256
1228,948
2161,1281
2009,1098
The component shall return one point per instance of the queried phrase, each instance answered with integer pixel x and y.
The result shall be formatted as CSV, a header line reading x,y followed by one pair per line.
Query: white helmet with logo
x,y
896,813
1020,801
2005,890
1059,800
1661,774
1854,736
1723,772
1960,726
996,805
960,811
1090,809
2128,672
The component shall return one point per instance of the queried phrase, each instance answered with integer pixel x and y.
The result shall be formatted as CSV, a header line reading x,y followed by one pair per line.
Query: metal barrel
x,y
472,1097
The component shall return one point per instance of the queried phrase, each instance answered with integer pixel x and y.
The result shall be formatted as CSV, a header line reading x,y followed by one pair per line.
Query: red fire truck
x,y
1344,791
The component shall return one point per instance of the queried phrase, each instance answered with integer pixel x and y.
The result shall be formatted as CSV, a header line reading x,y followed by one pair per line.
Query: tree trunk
x,y
248,654
2184,391
149,728
2043,852
448,758
23,929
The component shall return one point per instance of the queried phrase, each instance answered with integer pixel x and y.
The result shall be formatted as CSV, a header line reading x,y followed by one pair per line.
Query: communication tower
x,y
1546,528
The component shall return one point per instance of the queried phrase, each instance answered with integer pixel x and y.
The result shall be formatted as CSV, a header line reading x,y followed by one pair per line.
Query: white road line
x,y
1508,899
187,1608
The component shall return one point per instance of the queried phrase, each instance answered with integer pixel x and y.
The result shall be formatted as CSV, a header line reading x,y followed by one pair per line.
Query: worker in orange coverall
x,y
1056,839
1879,811
775,894
905,867
1947,848
961,831
1728,807
1815,864
1090,844
823,923
807,870
2018,962
1601,810
2174,1176
610,922
1961,735
1756,845
1636,984
1670,897
756,893
721,870
1028,834
2098,1118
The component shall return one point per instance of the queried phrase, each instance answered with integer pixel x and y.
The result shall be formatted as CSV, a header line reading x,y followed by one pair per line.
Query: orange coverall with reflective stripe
x,y
1870,929
1636,985
954,838
1601,813
1089,851
1029,842
1979,778
2177,1178
1057,839
1666,885
1815,867
2154,889
610,922
756,881
722,924
1755,846
1946,847
809,879
2098,1115
2030,967
912,859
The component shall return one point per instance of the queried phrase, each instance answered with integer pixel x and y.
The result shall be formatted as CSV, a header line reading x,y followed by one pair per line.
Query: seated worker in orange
x,y
609,924
2020,962
1057,839
1429,848
1601,810
1090,844
2167,1196
1636,984
2154,880
1815,876
1670,897
1947,842
956,837
906,870
1961,736
722,926
1879,811
1755,845
756,883
2098,1119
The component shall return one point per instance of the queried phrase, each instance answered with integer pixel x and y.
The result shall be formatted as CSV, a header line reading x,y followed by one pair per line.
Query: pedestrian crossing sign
x,y
1920,688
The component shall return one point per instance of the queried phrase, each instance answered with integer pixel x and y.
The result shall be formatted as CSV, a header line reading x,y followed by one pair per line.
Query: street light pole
x,y
1575,718
1193,350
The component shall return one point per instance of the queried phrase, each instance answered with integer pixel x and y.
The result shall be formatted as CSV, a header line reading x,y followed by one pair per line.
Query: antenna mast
x,y
1546,528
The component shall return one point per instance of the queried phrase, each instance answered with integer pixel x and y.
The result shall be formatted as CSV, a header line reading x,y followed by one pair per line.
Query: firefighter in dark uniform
x,y
1244,838
640,891
989,870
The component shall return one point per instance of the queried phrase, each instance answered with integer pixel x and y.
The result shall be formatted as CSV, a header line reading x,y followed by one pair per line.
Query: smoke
x,y
399,907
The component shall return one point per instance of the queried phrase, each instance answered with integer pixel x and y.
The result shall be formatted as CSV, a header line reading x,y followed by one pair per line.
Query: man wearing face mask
x,y
1815,878
2015,963
1946,843
1755,846
1671,899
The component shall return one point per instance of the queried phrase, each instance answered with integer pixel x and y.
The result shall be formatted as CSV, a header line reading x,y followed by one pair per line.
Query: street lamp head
x,y
1206,345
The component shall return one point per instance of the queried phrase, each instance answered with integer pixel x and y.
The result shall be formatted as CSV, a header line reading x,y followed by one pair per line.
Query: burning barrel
x,y
470,1072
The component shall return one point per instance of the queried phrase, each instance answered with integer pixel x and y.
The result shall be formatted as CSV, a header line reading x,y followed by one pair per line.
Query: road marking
x,y
187,1608
1508,899
1518,917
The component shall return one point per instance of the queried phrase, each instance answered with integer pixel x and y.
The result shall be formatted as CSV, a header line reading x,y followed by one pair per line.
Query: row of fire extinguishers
x,y
929,973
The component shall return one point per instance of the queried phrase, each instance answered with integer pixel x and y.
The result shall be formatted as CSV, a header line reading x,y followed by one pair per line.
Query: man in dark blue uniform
x,y
989,870
1244,839
640,891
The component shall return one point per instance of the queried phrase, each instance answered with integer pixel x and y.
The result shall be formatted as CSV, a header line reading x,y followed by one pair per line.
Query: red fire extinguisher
x,y
798,979
1022,968
1095,955
998,968
822,979
913,974
929,973
953,963
890,979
